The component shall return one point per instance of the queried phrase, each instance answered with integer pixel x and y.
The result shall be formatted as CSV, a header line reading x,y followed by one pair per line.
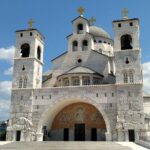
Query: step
x,y
64,146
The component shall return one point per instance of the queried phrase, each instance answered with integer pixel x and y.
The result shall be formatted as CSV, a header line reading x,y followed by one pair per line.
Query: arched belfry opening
x,y
79,28
77,122
39,52
25,50
126,42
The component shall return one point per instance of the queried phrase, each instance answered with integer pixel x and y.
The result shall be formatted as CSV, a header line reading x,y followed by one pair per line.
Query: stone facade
x,y
95,71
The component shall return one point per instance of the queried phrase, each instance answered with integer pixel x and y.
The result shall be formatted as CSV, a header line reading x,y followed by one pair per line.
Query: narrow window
x,y
74,46
96,94
84,45
125,77
96,81
20,83
39,52
75,81
131,23
126,42
25,83
131,77
30,33
65,82
127,61
86,80
112,94
21,34
119,25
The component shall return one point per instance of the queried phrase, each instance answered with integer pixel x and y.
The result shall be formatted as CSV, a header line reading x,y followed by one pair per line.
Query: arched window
x,y
125,77
74,46
131,76
126,42
39,52
84,45
25,82
75,81
86,80
80,28
20,83
65,82
25,50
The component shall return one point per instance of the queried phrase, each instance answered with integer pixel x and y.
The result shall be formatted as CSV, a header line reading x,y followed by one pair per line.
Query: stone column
x,y
14,136
136,135
126,136
91,80
39,137
120,135
108,136
22,136
80,78
69,81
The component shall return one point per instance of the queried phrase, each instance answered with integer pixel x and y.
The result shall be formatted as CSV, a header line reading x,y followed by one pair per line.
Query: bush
x,y
2,135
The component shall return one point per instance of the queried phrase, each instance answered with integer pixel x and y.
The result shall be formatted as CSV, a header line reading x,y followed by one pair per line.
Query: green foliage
x,y
2,135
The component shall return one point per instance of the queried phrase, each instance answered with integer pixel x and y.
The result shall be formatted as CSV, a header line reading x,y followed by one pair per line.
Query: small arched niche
x,y
85,45
74,46
126,42
39,52
25,50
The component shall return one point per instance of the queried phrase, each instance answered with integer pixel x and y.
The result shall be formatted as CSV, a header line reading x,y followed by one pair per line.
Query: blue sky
x,y
53,18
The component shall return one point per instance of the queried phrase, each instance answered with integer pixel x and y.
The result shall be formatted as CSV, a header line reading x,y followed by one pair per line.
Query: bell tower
x,y
127,56
28,59
127,50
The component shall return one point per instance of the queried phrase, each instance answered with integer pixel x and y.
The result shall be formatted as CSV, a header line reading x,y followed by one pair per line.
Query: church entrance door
x,y
93,134
66,134
79,132
131,135
18,135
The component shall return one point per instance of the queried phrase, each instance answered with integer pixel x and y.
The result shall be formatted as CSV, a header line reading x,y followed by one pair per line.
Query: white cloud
x,y
4,108
146,76
5,90
7,53
5,87
9,71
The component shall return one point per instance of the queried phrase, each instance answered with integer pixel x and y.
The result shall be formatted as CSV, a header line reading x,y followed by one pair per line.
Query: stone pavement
x,y
68,146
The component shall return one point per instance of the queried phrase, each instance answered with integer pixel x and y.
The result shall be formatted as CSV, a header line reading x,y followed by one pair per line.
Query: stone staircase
x,y
64,146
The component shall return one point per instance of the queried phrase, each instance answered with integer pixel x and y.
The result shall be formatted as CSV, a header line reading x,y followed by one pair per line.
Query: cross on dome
x,y
92,21
30,23
81,10
125,13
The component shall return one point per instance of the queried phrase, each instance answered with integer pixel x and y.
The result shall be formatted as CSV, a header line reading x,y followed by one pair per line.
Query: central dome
x,y
96,31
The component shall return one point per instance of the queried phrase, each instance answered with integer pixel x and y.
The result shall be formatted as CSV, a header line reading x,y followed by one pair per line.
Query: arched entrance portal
x,y
77,122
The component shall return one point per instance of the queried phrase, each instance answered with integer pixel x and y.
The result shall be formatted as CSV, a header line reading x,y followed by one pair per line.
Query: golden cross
x,y
125,13
81,10
30,23
92,21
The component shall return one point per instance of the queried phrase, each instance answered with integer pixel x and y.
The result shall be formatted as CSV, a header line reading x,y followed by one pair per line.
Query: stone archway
x,y
79,122
56,106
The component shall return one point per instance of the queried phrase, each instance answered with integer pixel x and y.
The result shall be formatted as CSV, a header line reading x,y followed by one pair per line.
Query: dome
x,y
96,31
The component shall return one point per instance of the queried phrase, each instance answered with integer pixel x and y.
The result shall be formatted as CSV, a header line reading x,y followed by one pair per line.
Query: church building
x,y
94,92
